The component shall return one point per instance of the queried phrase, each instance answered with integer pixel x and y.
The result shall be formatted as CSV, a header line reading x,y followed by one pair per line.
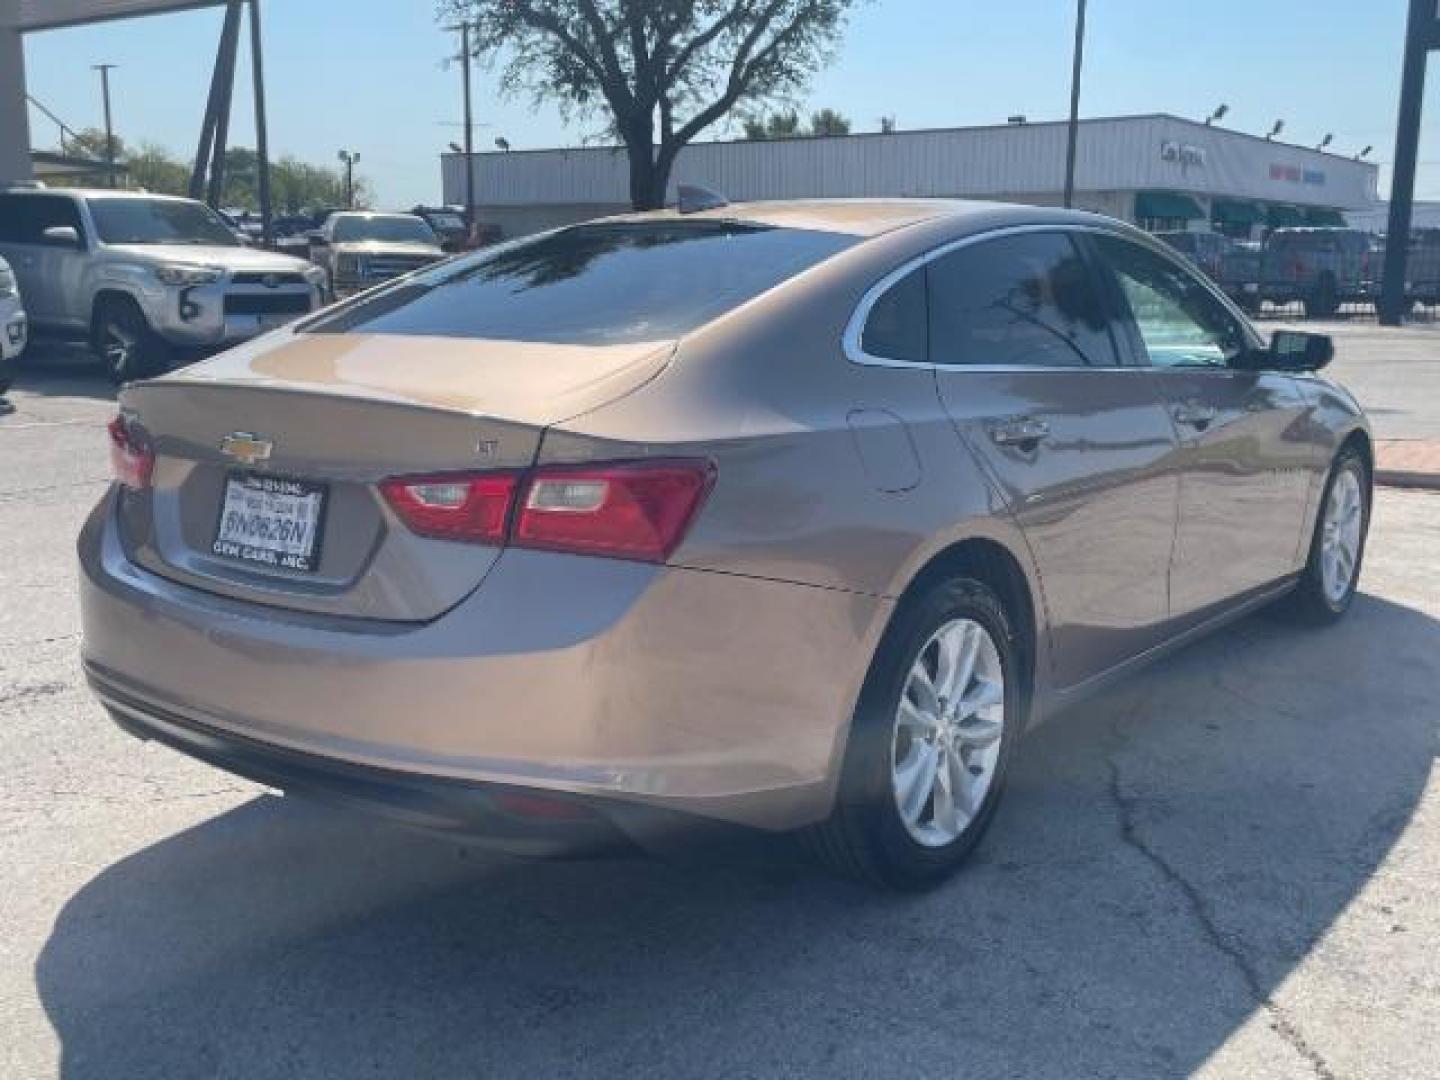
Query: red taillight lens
x,y
473,507
132,459
626,511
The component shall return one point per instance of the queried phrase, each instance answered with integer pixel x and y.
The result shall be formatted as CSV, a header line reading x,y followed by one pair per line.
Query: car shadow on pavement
x,y
1167,855
60,370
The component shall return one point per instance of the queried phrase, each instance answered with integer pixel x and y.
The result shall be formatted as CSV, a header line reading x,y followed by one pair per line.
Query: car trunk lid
x,y
306,427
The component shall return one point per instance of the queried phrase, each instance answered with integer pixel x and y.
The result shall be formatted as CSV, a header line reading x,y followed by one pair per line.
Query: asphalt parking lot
x,y
1230,866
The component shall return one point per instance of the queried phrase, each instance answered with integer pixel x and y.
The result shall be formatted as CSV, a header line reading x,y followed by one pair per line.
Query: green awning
x,y
1284,217
1236,212
1166,204
1325,219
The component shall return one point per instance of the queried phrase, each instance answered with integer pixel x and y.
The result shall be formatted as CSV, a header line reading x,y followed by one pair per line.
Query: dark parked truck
x,y
1422,269
1321,268
1231,264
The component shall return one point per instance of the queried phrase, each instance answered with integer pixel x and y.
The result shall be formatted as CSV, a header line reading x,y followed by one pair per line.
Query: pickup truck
x,y
142,277
1321,268
1232,264
360,248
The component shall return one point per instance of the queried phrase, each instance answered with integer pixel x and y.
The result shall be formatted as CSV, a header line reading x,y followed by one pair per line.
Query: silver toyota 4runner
x,y
142,276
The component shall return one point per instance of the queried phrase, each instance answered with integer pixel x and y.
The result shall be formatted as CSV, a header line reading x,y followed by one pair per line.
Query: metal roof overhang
x,y
50,166
27,15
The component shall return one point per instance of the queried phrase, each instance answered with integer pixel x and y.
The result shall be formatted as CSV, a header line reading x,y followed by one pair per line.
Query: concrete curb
x,y
1404,478
1408,463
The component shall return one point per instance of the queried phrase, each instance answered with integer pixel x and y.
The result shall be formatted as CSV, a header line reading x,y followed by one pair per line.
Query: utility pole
x,y
105,70
349,160
1074,129
469,138
1422,34
469,148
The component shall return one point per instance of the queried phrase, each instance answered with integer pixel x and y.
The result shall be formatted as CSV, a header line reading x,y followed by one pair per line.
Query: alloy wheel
x,y
118,346
948,731
1340,536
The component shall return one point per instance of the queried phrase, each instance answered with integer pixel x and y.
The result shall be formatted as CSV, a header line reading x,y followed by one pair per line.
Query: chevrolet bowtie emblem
x,y
246,448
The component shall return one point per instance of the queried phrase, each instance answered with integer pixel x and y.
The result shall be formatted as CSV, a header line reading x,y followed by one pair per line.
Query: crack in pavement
x,y
1203,916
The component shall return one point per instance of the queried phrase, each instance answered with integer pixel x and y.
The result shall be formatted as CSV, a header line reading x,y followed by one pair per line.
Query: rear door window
x,y
24,218
1028,300
602,283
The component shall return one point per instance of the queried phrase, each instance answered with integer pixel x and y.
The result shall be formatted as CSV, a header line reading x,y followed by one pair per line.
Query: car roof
x,y
373,214
93,193
862,217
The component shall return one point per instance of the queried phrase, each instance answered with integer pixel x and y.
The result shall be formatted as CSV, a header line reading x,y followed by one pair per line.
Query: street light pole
x,y
349,160
105,70
1074,129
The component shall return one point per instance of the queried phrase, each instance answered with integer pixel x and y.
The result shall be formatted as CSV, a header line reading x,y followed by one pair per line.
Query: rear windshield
x,y
399,228
601,283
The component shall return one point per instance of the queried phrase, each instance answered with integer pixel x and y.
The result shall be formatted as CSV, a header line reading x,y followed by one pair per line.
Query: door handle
x,y
1026,432
1193,414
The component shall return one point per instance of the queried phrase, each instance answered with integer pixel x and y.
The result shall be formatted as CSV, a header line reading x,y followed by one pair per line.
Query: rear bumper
x,y
705,694
470,809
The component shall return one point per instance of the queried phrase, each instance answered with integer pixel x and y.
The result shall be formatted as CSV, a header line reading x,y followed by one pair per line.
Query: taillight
x,y
473,507
132,459
631,510
627,511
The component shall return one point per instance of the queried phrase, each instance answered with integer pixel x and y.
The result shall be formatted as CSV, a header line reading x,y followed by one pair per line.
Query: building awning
x,y
1166,204
1284,217
1322,218
1236,212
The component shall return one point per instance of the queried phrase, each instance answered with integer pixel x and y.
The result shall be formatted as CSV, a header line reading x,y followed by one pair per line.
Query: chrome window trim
x,y
855,327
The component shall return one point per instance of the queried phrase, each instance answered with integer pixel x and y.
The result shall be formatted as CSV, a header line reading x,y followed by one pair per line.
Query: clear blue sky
x,y
369,76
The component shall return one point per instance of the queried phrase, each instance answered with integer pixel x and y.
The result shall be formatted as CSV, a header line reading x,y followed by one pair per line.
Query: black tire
x,y
1325,300
865,837
123,342
1309,602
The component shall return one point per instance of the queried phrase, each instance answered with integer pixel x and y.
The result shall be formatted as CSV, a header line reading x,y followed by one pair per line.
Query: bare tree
x,y
661,70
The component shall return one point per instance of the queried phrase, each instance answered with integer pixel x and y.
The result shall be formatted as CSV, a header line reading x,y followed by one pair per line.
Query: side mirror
x,y
1289,350
65,236
1296,350
317,239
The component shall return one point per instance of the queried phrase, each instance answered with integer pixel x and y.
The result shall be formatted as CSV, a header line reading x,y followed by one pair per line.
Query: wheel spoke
x,y
913,717
946,816
958,651
927,696
978,731
984,694
915,780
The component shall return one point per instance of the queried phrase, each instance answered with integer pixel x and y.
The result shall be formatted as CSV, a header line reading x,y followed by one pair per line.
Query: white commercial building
x,y
1161,171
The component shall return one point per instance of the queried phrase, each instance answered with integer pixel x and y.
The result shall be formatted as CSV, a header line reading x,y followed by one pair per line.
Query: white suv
x,y
12,322
141,275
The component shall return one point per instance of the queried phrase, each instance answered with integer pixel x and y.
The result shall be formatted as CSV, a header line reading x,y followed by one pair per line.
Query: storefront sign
x,y
1182,154
1293,174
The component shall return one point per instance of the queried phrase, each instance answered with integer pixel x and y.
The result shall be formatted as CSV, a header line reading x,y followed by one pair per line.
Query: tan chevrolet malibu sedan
x,y
795,516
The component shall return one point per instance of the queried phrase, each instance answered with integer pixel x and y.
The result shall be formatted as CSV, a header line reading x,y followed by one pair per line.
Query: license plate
x,y
272,521
1251,287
